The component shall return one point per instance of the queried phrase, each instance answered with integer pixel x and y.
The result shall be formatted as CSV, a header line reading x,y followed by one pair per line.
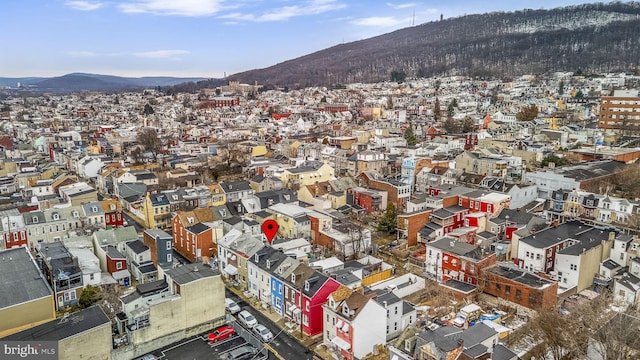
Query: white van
x,y
469,312
247,319
231,306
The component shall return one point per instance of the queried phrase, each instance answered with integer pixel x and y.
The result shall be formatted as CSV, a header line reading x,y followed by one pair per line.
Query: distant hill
x,y
591,37
94,82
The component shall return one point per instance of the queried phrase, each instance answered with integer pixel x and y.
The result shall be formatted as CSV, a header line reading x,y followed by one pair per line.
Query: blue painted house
x,y
283,271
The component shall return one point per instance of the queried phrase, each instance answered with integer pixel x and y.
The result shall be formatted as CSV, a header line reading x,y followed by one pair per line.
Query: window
x,y
35,219
507,289
498,286
168,245
119,265
69,296
518,294
307,306
56,217
305,320
574,267
169,258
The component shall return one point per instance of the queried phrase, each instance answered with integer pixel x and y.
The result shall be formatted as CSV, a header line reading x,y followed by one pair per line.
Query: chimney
x,y
612,235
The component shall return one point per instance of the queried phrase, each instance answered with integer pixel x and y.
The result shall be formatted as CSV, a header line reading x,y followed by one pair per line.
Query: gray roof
x,y
161,233
513,273
456,247
587,241
476,334
198,228
500,352
21,279
191,272
554,235
55,330
137,246
590,170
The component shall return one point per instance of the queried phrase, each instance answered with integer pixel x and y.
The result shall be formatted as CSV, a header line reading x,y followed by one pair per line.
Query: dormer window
x,y
56,217
75,214
306,286
35,219
268,264
113,206
94,209
256,257
293,278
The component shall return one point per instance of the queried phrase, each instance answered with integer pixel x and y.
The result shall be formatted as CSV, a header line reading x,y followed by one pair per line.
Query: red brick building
x,y
191,237
448,258
112,213
397,192
217,102
409,225
15,239
371,201
334,108
521,287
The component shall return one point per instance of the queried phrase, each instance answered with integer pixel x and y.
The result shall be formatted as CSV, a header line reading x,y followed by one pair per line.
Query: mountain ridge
x,y
93,82
592,37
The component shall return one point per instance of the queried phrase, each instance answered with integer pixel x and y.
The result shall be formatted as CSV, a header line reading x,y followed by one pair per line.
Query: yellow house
x,y
8,167
93,149
553,122
218,196
259,150
338,199
307,175
157,211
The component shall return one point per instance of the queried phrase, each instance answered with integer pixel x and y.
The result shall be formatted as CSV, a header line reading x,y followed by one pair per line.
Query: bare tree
x,y
150,141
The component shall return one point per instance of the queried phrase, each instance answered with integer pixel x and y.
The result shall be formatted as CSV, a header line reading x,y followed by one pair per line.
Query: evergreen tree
x,y
561,88
436,109
148,110
410,136
388,222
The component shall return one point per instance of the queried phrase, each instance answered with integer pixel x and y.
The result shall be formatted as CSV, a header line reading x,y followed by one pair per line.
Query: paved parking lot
x,y
199,348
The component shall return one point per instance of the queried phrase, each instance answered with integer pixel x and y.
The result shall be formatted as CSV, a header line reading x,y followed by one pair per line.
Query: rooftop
x,y
59,329
21,279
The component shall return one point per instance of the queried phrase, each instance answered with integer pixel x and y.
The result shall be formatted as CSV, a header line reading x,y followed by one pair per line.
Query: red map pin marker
x,y
270,229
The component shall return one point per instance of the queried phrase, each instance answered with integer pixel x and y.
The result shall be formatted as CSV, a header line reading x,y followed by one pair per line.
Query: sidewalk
x,y
293,329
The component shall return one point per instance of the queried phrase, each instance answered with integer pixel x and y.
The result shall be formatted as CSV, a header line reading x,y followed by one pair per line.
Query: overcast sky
x,y
202,38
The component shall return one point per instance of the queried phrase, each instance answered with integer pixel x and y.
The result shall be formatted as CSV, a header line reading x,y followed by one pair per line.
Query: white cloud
x,y
84,5
312,7
82,53
161,54
381,21
173,7
403,6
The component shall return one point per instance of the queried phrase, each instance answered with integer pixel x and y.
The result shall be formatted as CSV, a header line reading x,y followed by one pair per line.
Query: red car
x,y
222,333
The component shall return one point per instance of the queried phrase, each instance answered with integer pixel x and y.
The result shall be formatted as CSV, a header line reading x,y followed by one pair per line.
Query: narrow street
x,y
283,343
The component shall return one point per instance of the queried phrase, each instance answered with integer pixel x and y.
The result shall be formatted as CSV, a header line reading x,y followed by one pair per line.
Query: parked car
x,y
221,333
242,353
146,357
247,319
231,306
263,333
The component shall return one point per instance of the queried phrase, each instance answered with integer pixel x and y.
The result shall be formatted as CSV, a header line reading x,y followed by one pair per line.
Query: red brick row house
x,y
448,258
